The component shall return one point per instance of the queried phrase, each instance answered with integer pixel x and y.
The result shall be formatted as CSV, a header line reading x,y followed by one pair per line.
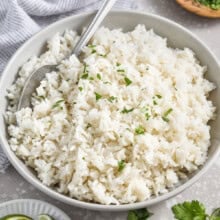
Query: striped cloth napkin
x,y
20,19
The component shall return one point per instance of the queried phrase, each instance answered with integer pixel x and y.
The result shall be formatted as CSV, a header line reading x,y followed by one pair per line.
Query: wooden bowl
x,y
199,9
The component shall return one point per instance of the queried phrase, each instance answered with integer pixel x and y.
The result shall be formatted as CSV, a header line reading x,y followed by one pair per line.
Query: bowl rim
x,y
95,206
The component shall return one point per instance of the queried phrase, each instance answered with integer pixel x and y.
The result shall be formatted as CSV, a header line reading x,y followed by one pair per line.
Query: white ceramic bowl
x,y
31,208
177,37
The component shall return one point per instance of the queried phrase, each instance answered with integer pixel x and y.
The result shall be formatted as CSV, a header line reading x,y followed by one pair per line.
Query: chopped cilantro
x,y
80,89
158,96
85,72
97,96
125,111
85,68
106,82
121,71
102,55
98,76
40,97
92,47
88,126
139,214
147,116
189,210
155,102
85,76
127,81
168,112
57,103
121,165
164,117
118,64
140,130
112,98
91,78
145,109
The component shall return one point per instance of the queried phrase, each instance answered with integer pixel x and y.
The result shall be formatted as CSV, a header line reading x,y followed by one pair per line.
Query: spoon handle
x,y
100,15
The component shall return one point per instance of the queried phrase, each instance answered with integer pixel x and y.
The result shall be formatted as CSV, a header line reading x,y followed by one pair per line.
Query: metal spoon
x,y
33,81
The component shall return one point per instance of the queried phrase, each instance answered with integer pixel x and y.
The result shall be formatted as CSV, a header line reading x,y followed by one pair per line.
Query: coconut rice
x,y
126,121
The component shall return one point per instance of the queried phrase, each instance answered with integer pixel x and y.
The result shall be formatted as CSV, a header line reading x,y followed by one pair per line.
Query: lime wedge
x,y
16,217
44,217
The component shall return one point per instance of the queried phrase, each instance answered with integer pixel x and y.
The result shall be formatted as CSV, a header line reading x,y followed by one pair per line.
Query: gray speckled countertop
x,y
207,189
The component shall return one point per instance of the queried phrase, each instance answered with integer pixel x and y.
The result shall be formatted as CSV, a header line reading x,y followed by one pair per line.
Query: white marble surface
x,y
207,189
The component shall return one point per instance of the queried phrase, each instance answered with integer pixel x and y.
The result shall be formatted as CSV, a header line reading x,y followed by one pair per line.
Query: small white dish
x,y
31,208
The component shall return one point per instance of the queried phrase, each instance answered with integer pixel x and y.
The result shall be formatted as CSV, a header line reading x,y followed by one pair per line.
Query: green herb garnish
x,y
91,78
147,116
165,115
85,76
103,55
125,111
97,96
58,103
139,214
127,81
121,71
154,99
118,64
106,82
145,110
88,126
98,76
85,68
140,130
189,210
85,71
158,96
121,165
40,97
80,89
155,102
92,47
112,98
213,4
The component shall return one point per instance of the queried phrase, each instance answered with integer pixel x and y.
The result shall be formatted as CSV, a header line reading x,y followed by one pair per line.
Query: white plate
x,y
31,208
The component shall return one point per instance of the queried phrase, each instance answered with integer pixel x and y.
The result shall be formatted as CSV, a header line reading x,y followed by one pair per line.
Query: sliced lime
x,y
44,217
16,217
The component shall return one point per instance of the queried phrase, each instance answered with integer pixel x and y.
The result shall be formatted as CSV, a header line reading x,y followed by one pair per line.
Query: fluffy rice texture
x,y
126,121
